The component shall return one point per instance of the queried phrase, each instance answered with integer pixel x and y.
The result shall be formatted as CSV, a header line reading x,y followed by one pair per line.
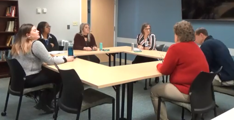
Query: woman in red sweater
x,y
183,62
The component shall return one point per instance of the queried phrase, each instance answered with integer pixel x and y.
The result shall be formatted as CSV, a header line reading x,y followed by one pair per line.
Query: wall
x,y
60,13
162,15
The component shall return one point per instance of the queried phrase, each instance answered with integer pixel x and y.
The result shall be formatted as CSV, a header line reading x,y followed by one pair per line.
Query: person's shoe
x,y
45,108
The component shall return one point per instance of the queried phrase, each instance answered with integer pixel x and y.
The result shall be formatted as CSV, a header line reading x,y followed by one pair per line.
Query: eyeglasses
x,y
147,28
47,26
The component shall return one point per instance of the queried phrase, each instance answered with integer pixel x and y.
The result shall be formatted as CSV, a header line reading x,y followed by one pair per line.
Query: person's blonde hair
x,y
184,31
22,42
82,25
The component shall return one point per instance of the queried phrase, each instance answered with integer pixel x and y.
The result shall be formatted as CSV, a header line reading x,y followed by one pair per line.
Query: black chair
x,y
165,48
201,96
159,48
74,99
16,84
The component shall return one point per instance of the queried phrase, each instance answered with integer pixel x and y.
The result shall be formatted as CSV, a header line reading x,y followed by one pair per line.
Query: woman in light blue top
x,y
31,53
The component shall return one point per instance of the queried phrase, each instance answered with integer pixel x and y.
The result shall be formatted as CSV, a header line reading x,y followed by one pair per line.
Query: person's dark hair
x,y
201,30
41,27
184,31
144,26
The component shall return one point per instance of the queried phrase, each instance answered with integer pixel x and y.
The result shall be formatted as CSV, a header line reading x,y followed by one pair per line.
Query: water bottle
x,y
70,50
100,46
132,46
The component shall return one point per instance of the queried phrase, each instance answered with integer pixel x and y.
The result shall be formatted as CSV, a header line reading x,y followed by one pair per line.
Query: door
x,y
84,11
101,22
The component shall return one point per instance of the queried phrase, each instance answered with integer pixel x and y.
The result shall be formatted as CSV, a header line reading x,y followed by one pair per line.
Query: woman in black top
x,y
84,40
49,40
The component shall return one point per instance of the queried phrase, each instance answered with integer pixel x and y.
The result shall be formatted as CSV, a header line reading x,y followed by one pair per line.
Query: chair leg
x,y
89,113
163,78
78,116
6,103
159,108
19,106
215,112
56,112
55,99
166,78
202,117
182,115
113,109
150,82
156,79
194,116
57,106
145,84
35,97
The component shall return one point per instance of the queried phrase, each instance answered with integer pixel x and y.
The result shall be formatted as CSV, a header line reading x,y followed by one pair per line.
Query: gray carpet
x,y
142,106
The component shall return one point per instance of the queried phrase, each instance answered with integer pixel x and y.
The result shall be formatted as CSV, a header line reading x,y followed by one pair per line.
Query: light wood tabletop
x,y
101,76
123,49
148,53
226,116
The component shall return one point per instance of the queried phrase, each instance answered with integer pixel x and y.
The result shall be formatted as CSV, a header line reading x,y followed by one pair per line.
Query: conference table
x,y
102,76
226,116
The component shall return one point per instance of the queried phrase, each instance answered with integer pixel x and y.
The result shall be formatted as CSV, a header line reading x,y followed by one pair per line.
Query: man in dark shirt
x,y
217,55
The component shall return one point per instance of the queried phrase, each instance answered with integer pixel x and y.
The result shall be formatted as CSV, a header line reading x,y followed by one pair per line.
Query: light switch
x,y
38,10
44,10
68,27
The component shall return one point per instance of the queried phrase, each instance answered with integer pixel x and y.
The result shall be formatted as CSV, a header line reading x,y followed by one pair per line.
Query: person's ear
x,y
28,36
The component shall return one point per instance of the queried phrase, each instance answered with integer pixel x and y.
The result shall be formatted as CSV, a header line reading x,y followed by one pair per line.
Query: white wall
x,y
60,13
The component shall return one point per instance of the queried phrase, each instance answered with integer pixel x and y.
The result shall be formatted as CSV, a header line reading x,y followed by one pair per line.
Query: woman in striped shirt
x,y
145,41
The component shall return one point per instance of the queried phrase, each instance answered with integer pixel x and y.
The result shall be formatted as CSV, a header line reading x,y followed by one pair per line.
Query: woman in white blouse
x,y
145,41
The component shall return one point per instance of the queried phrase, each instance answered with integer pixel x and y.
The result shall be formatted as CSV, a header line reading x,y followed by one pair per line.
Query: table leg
x,y
129,100
120,58
117,101
114,58
125,58
122,102
109,55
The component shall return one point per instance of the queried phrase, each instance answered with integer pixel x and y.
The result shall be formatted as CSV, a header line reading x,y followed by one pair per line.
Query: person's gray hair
x,y
82,25
184,30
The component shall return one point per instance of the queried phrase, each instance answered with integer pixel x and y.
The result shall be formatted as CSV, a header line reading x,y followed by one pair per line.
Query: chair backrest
x,y
160,47
65,44
72,89
201,92
17,75
165,48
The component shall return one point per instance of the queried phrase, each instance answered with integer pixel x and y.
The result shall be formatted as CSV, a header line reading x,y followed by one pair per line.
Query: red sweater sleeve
x,y
169,63
78,42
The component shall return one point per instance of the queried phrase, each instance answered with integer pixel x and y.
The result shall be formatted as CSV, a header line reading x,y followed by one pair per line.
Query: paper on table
x,y
136,49
57,52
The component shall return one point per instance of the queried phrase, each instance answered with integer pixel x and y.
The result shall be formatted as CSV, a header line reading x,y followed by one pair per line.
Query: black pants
x,y
141,59
92,58
44,77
